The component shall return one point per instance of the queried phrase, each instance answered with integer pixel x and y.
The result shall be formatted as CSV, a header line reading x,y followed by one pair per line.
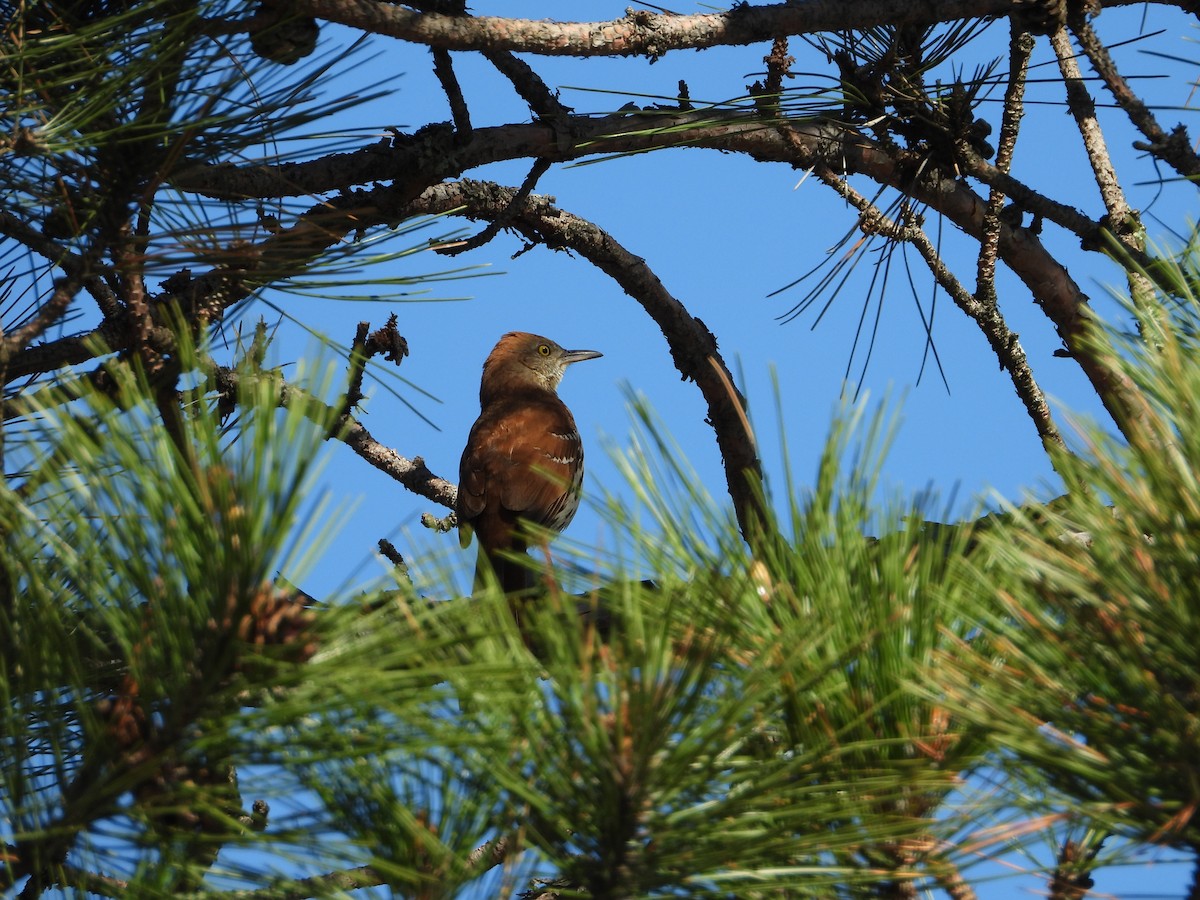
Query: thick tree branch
x,y
641,33
431,155
692,345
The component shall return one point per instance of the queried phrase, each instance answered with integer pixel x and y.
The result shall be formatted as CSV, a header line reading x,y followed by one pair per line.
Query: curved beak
x,y
574,356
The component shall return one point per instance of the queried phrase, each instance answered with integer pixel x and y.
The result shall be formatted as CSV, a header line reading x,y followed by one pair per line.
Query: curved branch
x,y
414,163
641,33
693,347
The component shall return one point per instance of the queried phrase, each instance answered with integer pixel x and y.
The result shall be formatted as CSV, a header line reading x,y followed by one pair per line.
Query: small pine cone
x,y
281,37
181,795
127,723
279,618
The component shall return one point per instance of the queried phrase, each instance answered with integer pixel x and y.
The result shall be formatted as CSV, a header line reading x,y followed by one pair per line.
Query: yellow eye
x,y
544,349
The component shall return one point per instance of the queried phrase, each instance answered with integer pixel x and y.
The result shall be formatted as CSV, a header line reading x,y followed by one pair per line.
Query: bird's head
x,y
528,359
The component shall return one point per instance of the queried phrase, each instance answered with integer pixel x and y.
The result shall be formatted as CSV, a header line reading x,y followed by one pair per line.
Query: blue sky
x,y
722,232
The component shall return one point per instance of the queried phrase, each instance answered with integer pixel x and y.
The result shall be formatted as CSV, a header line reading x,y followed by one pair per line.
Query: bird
x,y
523,462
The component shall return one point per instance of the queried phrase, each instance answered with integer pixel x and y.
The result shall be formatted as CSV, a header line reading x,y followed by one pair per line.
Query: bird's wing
x,y
520,462
549,468
477,467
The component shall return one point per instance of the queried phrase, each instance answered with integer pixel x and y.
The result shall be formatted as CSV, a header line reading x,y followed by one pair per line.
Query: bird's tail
x,y
512,575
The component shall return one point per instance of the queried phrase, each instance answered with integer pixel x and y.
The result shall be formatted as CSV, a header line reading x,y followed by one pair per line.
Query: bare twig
x,y
413,474
529,85
52,310
1020,48
11,226
779,63
443,68
1122,221
1083,109
540,167
358,365
387,341
1175,149
389,552
1004,343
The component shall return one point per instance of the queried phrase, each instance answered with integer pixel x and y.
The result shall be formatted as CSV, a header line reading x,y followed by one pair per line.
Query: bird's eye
x,y
544,349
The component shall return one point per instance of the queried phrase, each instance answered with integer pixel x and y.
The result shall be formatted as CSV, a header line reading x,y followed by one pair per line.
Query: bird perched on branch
x,y
524,459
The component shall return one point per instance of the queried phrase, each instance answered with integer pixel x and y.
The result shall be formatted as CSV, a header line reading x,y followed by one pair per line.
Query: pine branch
x,y
1121,219
806,145
412,473
1004,342
1175,149
643,33
693,348
443,68
1020,49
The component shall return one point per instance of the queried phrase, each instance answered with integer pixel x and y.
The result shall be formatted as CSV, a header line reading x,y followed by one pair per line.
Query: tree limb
x,y
411,473
1020,48
413,163
693,347
1175,149
1003,341
641,33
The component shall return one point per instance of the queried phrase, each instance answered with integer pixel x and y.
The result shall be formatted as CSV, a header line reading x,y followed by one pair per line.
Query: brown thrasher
x,y
524,458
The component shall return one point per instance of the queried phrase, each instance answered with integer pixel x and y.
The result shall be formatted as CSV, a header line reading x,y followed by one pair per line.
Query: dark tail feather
x,y
515,580
510,573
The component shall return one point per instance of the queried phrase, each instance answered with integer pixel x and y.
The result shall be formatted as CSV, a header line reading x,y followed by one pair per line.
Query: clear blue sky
x,y
722,232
